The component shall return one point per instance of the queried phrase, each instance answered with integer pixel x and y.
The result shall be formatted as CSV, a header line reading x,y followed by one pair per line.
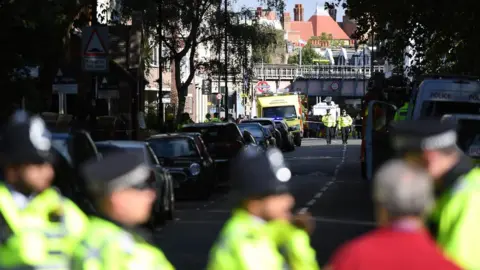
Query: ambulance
x,y
287,106
451,97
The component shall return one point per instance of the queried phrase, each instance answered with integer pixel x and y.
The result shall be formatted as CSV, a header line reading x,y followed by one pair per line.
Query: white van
x,y
437,97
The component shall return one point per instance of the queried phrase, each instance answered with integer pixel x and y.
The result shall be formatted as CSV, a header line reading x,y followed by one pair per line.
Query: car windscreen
x,y
173,147
106,149
440,108
213,134
468,131
256,131
280,111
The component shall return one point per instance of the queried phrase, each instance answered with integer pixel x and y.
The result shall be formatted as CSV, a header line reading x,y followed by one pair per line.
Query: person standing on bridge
x,y
329,122
432,144
259,234
403,195
345,123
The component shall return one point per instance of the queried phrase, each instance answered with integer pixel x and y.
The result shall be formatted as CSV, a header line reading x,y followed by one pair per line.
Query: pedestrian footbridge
x,y
317,80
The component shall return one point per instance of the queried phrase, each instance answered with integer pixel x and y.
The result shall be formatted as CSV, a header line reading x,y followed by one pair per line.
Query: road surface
x,y
325,182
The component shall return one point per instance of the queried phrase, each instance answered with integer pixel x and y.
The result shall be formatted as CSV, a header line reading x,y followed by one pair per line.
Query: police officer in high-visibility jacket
x,y
401,113
454,221
259,234
124,199
328,121
345,123
39,228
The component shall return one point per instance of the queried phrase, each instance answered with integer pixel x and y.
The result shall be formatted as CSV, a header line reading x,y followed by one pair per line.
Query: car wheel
x,y
298,141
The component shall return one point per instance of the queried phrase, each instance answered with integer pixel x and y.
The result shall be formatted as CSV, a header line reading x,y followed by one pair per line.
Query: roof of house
x,y
325,24
304,28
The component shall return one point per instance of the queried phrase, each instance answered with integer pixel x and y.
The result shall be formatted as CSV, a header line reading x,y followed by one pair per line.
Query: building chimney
x,y
333,13
259,12
298,13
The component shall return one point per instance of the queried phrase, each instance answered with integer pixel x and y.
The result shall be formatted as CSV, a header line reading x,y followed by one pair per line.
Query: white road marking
x,y
346,221
319,194
317,219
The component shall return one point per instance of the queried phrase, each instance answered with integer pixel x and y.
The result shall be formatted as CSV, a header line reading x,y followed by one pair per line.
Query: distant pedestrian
x,y
403,195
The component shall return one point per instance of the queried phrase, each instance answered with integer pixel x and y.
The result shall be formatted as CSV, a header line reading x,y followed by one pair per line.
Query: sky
x,y
309,6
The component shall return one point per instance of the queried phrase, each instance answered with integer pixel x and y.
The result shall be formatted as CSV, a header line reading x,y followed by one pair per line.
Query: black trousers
x,y
345,133
358,132
329,133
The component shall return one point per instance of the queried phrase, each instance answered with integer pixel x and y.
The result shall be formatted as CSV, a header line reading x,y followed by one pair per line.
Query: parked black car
x,y
71,150
223,141
186,157
270,125
160,178
261,135
287,136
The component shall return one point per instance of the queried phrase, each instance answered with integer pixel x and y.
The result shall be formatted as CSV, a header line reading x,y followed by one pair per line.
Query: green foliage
x,y
443,34
267,44
308,56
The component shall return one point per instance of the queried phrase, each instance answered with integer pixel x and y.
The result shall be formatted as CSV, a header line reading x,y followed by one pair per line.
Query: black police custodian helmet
x,y
115,171
26,140
423,134
257,174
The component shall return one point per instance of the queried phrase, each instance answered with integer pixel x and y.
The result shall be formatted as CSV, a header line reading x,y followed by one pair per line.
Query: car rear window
x,y
211,134
256,131
173,147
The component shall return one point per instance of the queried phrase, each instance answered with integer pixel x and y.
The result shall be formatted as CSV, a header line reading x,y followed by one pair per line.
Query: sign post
x,y
63,85
95,58
108,89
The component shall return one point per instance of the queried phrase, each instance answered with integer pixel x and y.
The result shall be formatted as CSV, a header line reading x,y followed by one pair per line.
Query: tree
x,y
309,55
441,36
187,25
31,38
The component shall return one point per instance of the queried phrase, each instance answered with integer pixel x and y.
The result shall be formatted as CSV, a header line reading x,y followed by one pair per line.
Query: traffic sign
x,y
64,84
219,96
95,44
334,86
206,87
263,86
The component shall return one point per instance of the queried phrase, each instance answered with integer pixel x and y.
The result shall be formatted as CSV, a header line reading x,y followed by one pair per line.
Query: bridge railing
x,y
291,72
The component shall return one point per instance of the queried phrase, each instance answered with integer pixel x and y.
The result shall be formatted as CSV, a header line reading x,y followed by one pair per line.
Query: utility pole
x,y
94,83
226,60
160,68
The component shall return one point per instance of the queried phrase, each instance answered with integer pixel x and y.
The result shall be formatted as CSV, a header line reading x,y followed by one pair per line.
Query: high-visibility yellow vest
x,y
456,218
110,247
43,235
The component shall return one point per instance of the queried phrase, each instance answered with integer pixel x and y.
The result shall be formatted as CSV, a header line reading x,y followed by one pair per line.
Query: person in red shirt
x,y
403,195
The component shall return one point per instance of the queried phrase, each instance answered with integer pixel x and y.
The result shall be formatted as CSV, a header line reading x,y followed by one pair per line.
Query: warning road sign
x,y
95,44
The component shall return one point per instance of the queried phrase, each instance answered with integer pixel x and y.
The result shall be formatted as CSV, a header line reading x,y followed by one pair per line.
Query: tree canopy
x,y
443,35
309,56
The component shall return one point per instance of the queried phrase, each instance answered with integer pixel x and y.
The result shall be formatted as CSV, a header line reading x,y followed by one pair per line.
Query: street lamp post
x,y
226,60
160,67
